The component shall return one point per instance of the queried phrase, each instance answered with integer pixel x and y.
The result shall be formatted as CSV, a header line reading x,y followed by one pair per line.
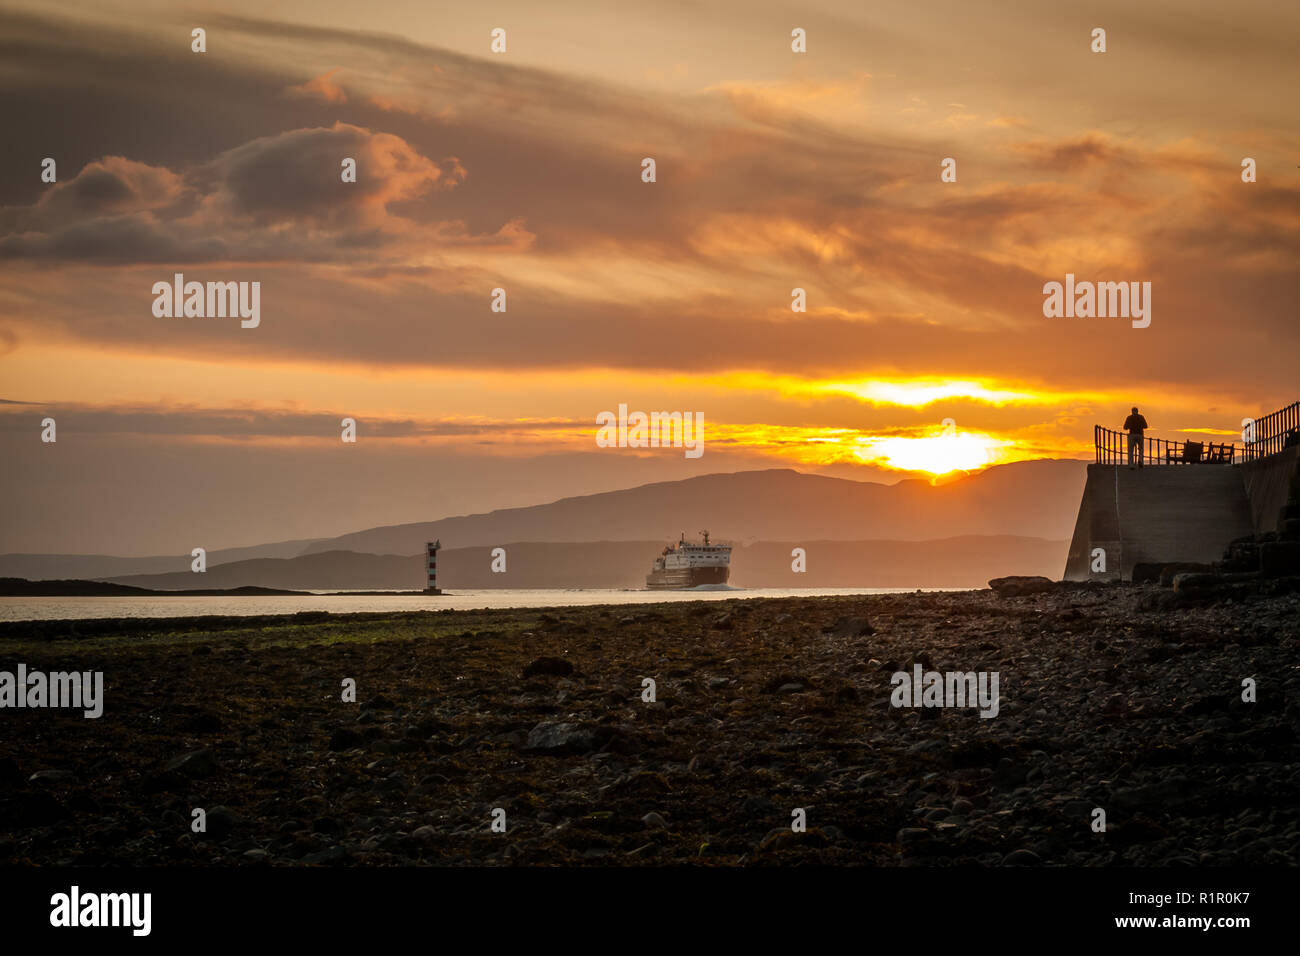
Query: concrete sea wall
x,y
1163,514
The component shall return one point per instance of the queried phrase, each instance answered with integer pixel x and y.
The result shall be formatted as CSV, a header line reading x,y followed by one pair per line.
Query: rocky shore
x,y
1111,697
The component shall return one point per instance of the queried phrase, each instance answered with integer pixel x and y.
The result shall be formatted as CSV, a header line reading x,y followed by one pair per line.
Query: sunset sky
x,y
522,170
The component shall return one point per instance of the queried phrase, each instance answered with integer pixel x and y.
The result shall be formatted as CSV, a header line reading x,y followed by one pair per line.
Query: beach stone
x,y
1279,558
10,774
82,800
1205,704
197,764
1159,601
554,666
35,808
334,854
1009,774
1197,583
1146,572
52,776
202,724
757,806
1021,585
783,838
345,739
850,627
1171,571
1021,858
1171,793
1241,555
560,738
221,822
775,685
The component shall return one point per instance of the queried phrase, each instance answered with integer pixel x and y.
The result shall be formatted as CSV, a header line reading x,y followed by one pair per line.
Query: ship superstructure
x,y
689,565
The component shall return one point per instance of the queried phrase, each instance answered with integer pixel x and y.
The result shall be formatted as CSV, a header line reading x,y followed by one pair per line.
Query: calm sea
x,y
78,608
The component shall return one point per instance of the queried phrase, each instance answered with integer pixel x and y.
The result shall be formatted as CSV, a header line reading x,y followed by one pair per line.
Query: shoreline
x,y
181,607
1110,697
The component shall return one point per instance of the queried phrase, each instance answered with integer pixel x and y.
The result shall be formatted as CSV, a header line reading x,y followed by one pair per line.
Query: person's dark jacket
x,y
1135,423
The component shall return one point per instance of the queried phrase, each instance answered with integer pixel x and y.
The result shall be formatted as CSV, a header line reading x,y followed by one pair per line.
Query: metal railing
x,y
1273,432
1112,449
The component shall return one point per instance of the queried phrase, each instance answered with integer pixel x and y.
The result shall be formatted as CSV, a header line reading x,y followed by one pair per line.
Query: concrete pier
x,y
1165,514
1156,514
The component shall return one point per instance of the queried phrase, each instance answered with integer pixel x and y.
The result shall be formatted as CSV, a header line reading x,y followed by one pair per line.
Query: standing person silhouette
x,y
1135,425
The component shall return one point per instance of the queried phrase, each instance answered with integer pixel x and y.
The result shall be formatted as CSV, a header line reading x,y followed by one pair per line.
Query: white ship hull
x,y
686,565
686,577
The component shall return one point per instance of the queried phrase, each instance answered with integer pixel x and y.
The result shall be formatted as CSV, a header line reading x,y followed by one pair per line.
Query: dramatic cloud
x,y
279,197
522,172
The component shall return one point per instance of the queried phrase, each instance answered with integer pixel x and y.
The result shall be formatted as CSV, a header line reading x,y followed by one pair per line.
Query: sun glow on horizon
x,y
917,394
934,454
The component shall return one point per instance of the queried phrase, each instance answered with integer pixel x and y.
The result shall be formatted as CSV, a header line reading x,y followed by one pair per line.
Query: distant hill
x,y
1025,500
966,561
1036,499
330,571
83,566
20,587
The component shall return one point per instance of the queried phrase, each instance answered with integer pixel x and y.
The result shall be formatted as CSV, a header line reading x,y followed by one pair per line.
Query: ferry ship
x,y
688,565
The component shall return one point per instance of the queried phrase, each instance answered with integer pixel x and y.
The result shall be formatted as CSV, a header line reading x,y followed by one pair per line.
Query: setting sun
x,y
935,454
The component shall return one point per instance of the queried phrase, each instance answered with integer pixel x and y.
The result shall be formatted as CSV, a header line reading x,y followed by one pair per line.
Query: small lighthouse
x,y
431,550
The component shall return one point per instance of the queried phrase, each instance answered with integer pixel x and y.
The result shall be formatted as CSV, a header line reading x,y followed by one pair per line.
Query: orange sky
x,y
522,171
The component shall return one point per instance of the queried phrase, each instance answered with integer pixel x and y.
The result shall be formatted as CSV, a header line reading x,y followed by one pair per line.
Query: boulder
x,y
1279,558
1170,571
1196,583
1021,585
1147,572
